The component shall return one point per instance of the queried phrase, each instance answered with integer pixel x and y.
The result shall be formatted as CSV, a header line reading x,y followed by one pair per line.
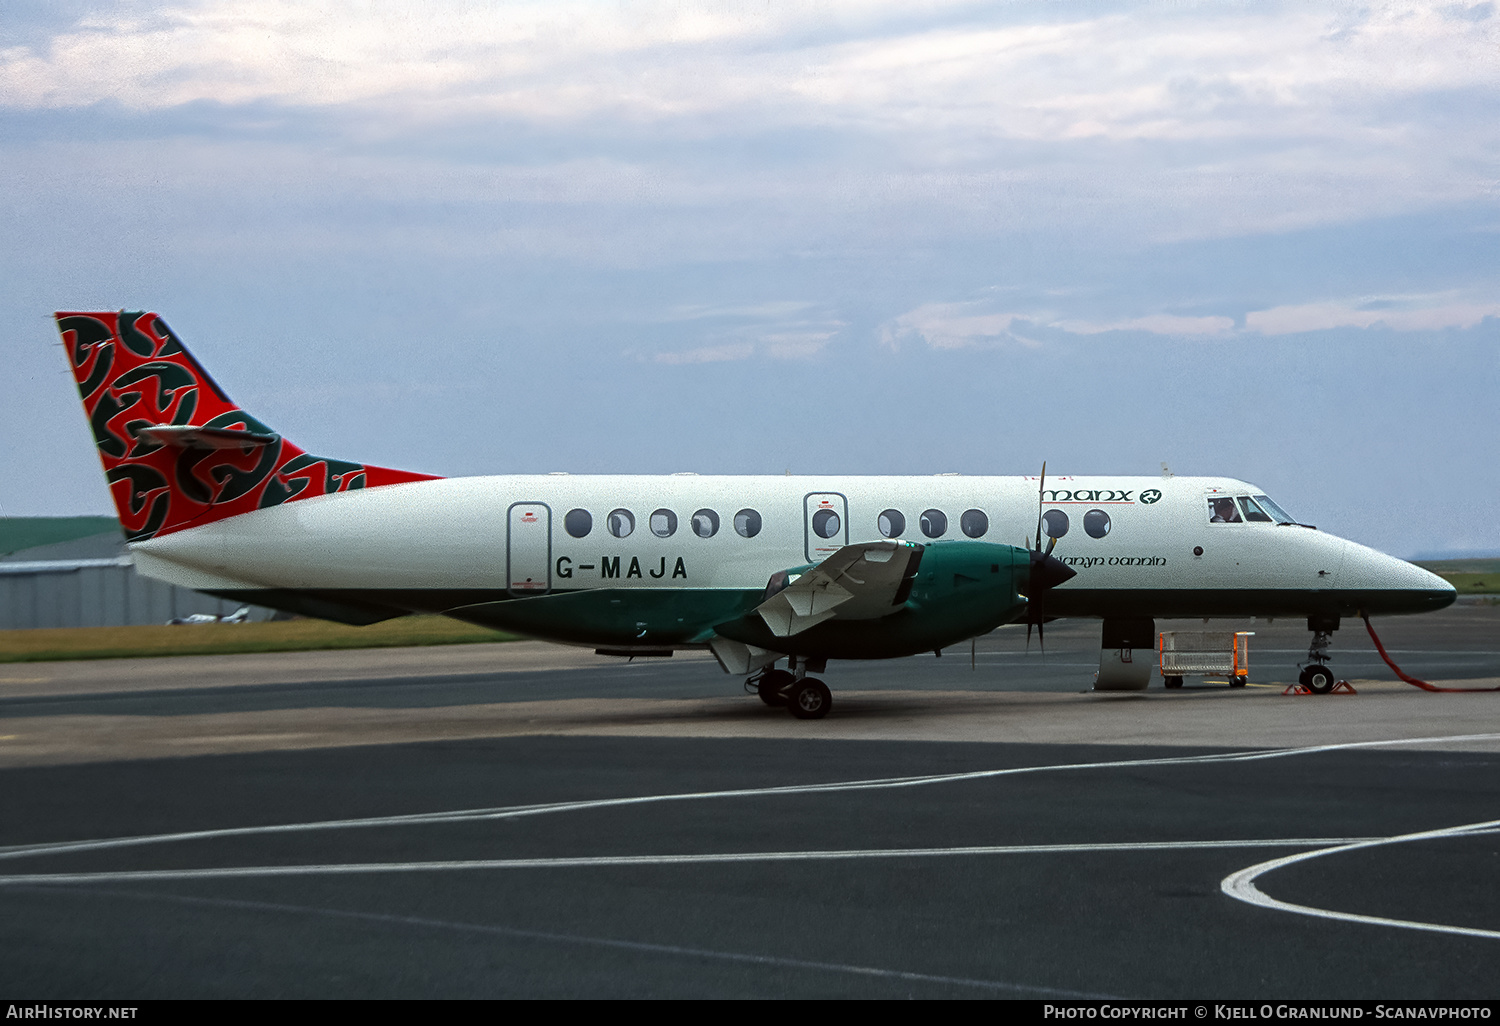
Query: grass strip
x,y
53,643
1474,584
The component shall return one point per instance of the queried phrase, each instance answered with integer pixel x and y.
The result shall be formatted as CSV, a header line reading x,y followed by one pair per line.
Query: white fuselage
x,y
473,534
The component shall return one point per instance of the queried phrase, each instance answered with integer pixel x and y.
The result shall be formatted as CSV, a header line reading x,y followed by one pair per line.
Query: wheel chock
x,y
1342,687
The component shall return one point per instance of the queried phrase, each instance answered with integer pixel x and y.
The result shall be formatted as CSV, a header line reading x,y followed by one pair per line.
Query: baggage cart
x,y
1205,654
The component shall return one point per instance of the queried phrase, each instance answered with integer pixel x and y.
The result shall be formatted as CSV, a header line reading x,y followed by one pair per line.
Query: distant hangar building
x,y
90,582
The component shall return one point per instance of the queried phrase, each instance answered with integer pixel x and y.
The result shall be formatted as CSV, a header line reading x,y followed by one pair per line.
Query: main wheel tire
x,y
1237,681
773,686
810,700
1317,678
1171,682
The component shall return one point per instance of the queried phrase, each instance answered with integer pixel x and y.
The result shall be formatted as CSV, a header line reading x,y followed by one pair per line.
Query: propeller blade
x,y
1046,572
1040,488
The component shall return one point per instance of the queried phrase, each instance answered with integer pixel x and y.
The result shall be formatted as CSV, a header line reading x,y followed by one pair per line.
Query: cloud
x,y
790,345
796,345
1164,122
770,309
708,354
959,325
1155,324
1029,73
968,325
770,329
948,326
1288,320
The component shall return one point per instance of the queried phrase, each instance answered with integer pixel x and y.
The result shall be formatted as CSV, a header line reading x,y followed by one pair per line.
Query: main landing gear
x,y
806,698
1316,676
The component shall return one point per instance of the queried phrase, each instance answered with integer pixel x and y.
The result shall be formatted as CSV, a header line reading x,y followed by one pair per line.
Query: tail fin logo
x,y
177,452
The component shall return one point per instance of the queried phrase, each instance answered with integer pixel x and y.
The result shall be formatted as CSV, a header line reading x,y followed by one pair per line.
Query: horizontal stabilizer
x,y
189,437
858,582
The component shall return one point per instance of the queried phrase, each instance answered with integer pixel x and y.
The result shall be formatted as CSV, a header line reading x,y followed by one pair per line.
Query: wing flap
x,y
863,581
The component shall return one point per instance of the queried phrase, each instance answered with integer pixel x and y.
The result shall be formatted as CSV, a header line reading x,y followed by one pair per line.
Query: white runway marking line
x,y
599,861
625,945
1241,885
519,811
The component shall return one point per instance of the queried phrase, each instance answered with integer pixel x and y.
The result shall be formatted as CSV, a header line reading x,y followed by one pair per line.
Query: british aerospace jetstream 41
x,y
756,569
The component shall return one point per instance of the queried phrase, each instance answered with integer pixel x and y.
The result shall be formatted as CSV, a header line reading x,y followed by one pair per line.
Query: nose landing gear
x,y
1317,677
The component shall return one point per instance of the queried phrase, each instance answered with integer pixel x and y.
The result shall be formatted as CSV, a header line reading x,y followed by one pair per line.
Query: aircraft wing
x,y
858,582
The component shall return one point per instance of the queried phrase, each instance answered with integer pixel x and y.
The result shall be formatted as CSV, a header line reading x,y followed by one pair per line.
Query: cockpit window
x,y
1253,513
1278,514
1222,511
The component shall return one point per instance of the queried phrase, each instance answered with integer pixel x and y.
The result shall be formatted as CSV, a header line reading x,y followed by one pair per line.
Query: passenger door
x,y
528,548
825,524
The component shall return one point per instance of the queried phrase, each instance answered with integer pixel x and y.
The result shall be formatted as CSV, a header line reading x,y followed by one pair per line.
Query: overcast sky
x,y
1258,240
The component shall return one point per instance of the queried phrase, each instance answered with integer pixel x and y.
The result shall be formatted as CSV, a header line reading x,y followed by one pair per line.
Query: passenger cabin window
x,y
1096,523
825,523
1222,511
974,523
621,523
705,523
891,523
934,523
747,523
1054,523
664,523
579,522
1253,513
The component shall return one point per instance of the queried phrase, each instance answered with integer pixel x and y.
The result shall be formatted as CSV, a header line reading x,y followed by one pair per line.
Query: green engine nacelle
x,y
961,589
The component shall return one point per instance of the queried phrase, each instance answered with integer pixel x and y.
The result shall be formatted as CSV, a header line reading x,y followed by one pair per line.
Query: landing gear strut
x,y
806,698
1317,677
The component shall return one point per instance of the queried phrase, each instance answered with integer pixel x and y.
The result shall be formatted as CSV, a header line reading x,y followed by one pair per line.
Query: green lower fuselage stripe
x,y
678,617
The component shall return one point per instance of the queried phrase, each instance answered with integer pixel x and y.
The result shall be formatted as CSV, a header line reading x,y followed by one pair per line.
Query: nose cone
x,y
1391,585
1048,572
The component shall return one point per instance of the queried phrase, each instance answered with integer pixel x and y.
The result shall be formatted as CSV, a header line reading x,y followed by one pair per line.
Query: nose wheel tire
x,y
1317,678
810,699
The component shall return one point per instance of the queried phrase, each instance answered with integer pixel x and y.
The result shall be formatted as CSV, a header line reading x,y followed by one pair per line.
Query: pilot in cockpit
x,y
1223,511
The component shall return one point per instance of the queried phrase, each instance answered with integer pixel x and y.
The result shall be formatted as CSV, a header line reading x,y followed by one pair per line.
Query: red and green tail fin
x,y
177,451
